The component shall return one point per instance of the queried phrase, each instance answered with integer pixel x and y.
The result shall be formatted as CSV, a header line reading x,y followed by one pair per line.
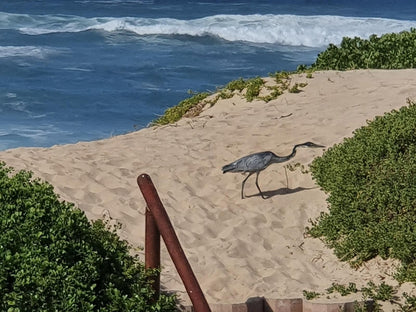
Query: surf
x,y
285,29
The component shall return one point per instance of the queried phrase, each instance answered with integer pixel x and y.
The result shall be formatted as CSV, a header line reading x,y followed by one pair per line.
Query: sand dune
x,y
237,248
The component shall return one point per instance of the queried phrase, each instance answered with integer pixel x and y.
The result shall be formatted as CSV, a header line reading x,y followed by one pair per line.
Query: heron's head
x,y
309,144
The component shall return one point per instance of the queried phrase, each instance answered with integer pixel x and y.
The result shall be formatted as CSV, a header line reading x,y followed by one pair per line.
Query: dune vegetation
x,y
389,51
53,258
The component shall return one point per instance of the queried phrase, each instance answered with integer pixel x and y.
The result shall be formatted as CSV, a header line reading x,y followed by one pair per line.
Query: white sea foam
x,y
77,69
40,133
26,51
11,95
292,30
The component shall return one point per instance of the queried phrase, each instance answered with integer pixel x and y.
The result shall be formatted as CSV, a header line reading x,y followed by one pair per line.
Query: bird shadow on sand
x,y
281,191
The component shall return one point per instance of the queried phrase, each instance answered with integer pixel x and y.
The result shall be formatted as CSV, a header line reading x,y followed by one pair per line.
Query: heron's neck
x,y
293,152
279,159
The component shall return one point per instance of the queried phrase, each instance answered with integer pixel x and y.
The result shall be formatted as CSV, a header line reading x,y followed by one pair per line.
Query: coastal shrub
x,y
370,180
249,88
389,51
53,259
173,114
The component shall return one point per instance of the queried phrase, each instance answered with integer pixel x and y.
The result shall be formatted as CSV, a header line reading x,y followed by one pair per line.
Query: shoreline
x,y
237,248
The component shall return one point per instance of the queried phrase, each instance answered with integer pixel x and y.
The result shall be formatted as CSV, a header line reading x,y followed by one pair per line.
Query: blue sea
x,y
82,70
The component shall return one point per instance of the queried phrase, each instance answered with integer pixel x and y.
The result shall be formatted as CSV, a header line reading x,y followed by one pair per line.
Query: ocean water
x,y
82,70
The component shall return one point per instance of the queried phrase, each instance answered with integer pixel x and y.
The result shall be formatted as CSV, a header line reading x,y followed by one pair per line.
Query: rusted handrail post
x,y
172,243
152,251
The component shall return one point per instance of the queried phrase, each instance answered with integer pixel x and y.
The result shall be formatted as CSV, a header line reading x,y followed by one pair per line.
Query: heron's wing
x,y
258,161
252,163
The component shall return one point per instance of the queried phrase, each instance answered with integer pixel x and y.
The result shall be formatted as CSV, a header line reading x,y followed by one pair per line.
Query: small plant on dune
x,y
283,80
236,85
224,94
253,88
410,303
309,295
370,180
342,289
372,296
276,92
53,259
293,167
382,292
280,76
296,87
175,113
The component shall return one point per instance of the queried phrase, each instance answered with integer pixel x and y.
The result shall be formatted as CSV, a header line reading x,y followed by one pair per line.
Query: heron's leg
x,y
287,180
244,182
257,184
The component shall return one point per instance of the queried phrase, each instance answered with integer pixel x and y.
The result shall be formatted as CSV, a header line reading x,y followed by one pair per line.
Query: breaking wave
x,y
291,30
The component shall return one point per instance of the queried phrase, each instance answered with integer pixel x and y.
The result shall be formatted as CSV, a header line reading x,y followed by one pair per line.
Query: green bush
x,y
370,179
53,259
389,51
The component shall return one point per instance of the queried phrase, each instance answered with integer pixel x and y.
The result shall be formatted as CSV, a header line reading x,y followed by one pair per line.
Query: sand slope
x,y
237,248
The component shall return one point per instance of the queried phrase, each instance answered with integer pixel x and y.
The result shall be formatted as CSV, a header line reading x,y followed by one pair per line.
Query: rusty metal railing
x,y
158,224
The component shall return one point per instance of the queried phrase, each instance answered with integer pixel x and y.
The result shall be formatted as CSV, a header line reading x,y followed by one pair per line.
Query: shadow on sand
x,y
281,191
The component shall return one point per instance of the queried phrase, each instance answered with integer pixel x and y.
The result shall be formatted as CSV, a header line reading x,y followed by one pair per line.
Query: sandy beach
x,y
238,248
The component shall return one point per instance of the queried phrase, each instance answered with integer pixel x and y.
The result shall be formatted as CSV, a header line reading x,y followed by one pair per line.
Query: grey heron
x,y
257,162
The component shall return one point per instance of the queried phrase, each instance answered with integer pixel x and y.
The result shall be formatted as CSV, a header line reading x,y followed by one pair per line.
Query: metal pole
x,y
152,252
172,243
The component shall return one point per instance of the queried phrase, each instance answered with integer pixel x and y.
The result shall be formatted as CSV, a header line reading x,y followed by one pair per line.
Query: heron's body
x,y
257,162
254,162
